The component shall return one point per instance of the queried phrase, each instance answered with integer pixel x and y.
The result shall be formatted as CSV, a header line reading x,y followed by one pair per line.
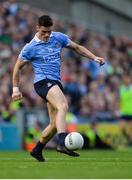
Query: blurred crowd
x,y
93,92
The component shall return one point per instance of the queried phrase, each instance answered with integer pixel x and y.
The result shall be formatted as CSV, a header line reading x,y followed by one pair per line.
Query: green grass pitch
x,y
91,164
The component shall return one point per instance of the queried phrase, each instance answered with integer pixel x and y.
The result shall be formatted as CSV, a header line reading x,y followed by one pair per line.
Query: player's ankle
x,y
61,138
43,141
39,147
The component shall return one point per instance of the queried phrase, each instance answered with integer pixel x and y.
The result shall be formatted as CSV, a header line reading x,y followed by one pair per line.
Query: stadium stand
x,y
91,91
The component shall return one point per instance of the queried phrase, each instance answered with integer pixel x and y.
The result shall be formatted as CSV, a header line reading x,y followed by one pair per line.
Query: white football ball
x,y
74,141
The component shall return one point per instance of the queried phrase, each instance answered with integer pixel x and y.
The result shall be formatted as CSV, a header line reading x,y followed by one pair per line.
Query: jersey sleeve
x,y
65,40
26,53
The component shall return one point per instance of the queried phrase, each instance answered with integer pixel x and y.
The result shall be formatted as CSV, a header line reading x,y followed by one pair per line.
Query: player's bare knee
x,y
64,107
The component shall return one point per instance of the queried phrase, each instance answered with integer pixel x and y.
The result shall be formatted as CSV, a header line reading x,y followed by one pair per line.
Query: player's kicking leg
x,y
46,135
59,102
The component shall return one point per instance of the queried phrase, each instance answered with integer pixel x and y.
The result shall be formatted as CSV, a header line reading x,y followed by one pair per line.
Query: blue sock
x,y
61,138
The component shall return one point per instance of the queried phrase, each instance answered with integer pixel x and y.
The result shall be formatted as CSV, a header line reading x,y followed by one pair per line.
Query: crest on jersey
x,y
50,50
57,45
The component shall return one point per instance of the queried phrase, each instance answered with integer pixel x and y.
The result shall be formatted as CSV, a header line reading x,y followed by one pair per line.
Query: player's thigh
x,y
56,98
52,113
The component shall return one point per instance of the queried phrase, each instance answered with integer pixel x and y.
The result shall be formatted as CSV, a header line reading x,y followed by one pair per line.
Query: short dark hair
x,y
45,21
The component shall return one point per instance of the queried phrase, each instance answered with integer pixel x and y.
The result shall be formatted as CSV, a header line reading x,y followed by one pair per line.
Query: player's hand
x,y
16,95
99,60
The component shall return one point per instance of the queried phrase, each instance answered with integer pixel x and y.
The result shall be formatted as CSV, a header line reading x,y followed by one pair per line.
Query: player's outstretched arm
x,y
85,52
16,94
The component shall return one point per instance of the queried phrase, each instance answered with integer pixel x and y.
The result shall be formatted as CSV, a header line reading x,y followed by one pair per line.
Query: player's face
x,y
44,32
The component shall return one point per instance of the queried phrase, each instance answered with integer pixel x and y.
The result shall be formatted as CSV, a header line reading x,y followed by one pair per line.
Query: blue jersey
x,y
45,57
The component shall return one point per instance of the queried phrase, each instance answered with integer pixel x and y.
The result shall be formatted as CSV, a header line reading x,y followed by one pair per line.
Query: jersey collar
x,y
39,40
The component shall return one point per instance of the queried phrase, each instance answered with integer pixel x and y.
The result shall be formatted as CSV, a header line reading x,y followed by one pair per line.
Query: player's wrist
x,y
96,59
15,89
